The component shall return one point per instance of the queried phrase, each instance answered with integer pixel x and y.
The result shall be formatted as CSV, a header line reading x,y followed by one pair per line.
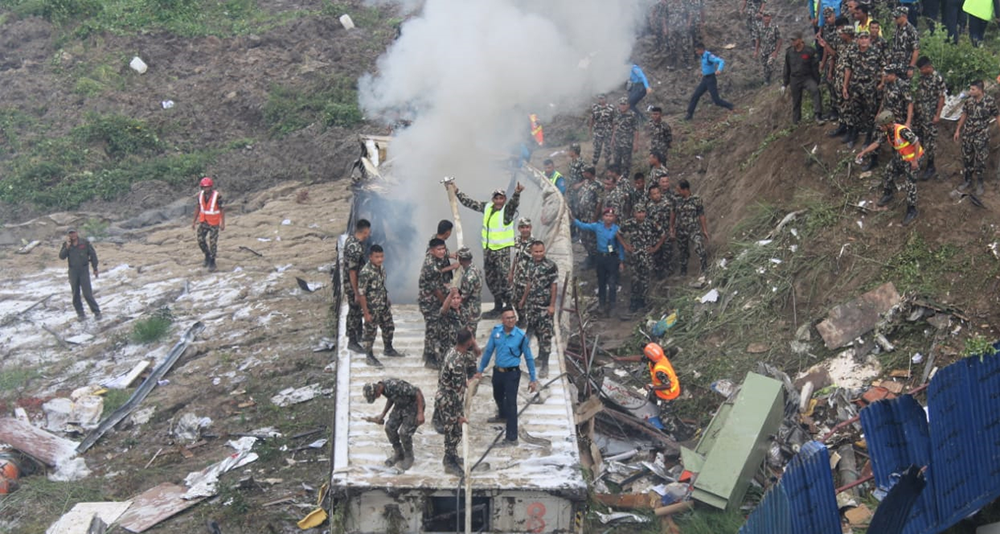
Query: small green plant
x,y
152,328
958,64
114,399
763,146
978,345
332,103
121,136
918,267
14,379
95,229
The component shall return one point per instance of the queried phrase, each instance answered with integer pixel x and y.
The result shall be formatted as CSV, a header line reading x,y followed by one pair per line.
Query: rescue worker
x,y
802,74
663,382
861,78
905,162
644,240
624,137
431,293
553,176
407,404
768,44
658,210
688,224
588,210
497,240
518,276
711,67
471,289
79,253
897,100
610,258
602,116
354,259
974,131
539,302
210,218
374,299
445,265
509,343
450,399
929,101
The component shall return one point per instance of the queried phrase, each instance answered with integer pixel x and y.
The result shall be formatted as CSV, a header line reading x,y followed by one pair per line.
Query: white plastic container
x,y
138,65
346,21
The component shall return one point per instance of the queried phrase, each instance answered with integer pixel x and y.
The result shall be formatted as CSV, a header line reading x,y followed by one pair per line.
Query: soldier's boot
x,y
853,138
396,456
371,360
208,259
407,461
979,185
495,312
911,214
453,466
847,135
543,368
840,130
872,163
930,172
704,265
354,346
886,198
430,362
391,352
967,183
211,265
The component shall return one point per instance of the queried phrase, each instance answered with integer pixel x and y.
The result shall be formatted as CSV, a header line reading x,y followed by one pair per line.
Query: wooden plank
x,y
586,411
79,519
847,321
35,442
154,506
125,380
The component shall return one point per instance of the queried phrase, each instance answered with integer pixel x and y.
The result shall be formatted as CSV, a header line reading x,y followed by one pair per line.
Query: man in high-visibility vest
x,y
663,379
498,239
905,162
554,176
210,219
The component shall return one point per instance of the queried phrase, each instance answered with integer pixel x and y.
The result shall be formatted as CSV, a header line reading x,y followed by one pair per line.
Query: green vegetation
x,y
958,64
774,136
95,229
152,328
12,122
39,501
333,102
710,522
978,345
114,399
920,268
15,379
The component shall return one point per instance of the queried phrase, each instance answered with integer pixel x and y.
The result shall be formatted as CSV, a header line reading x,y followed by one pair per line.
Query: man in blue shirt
x,y
610,258
710,66
509,343
554,176
638,87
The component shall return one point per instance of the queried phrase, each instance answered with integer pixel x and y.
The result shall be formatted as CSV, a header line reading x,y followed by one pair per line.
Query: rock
x,y
189,427
799,347
757,348
804,333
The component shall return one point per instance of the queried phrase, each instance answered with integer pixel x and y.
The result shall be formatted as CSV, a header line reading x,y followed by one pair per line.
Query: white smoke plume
x,y
468,73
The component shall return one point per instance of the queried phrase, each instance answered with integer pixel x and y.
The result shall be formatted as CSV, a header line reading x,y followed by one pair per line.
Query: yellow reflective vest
x,y
497,235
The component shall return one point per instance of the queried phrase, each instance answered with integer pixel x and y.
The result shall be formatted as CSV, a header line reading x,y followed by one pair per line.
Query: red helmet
x,y
207,182
654,352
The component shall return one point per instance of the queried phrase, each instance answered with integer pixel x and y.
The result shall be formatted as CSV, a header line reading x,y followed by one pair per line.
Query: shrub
x,y
330,103
958,64
152,328
121,136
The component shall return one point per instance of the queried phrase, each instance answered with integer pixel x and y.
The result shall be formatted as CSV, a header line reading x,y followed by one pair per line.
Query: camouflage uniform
x,y
451,322
431,280
624,137
354,257
681,22
896,98
659,214
975,135
574,177
897,166
769,37
688,227
496,263
753,19
444,262
449,401
866,68
621,198
521,262
830,34
654,177
541,276
603,119
208,236
929,90
839,68
659,17
641,235
371,285
471,288
590,199
904,41
660,138
402,421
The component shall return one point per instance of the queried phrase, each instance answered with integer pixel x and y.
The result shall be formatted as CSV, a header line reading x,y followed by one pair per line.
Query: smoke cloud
x,y
468,73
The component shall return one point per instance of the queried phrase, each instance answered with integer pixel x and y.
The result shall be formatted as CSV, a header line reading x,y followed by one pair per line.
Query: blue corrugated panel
x,y
803,501
897,435
772,515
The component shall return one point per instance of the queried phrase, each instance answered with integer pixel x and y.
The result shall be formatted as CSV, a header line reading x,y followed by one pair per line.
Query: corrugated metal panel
x,y
893,514
803,501
898,437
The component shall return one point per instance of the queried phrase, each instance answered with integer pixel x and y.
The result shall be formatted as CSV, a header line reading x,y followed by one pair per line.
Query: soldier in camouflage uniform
x,y
659,24
681,22
588,205
658,211
471,288
827,43
518,277
354,258
905,161
444,264
751,10
621,197
375,305
642,238
496,261
407,404
839,68
928,106
768,44
449,403
602,115
905,47
974,131
539,303
897,100
660,135
656,169
861,79
688,224
451,321
432,292
625,137
574,176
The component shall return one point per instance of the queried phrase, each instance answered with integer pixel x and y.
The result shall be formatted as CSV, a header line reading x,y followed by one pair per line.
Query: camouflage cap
x,y
849,30
900,12
885,118
766,14
827,11
498,192
464,253
623,101
575,147
371,392
639,207
71,231
523,221
895,68
862,33
601,95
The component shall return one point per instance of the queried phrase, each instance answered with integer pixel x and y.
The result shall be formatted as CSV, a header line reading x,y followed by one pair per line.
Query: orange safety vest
x,y
908,151
536,130
664,366
210,213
